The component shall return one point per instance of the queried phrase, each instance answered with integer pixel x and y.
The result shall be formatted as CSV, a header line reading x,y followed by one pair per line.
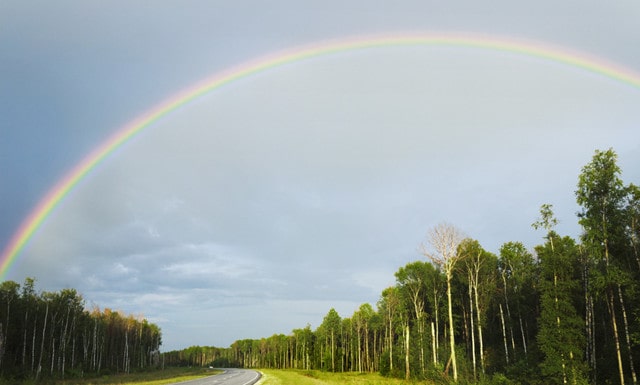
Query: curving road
x,y
228,377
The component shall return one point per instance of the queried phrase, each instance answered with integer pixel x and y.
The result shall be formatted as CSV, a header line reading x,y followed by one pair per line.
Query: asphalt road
x,y
228,377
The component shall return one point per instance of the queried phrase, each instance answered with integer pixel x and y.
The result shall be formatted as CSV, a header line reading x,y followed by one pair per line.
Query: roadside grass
x,y
315,377
156,377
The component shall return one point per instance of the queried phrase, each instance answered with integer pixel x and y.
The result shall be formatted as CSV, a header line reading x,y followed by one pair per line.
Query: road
x,y
228,377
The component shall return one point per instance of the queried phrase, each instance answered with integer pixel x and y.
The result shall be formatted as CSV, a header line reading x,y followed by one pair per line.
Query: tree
x,y
8,296
561,329
388,306
445,239
331,326
412,281
480,267
517,273
601,194
632,216
361,320
435,290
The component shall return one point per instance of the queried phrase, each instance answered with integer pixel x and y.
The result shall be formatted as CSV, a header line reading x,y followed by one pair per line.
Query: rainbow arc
x,y
57,193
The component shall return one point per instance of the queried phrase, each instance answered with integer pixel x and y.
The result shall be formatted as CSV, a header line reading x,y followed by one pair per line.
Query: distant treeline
x,y
566,312
52,335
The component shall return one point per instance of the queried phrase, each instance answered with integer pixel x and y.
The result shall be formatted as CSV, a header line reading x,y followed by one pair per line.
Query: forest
x,y
565,312
51,335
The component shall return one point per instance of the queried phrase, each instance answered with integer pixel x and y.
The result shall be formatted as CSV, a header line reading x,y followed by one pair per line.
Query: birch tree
x,y
412,281
480,267
601,194
388,306
444,240
517,270
561,329
331,326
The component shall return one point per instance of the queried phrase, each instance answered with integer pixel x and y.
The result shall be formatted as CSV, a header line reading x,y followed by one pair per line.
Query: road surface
x,y
228,377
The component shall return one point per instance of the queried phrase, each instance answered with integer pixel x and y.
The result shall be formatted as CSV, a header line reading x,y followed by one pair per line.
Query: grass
x,y
157,377
314,377
270,377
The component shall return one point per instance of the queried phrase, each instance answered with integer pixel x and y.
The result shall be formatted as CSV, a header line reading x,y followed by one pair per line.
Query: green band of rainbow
x,y
561,55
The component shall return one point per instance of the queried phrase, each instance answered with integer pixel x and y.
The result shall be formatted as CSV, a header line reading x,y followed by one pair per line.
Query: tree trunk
x,y
390,344
433,343
333,361
33,343
592,340
480,338
53,351
555,286
125,362
407,371
614,323
524,339
504,336
506,304
367,362
24,339
63,342
421,331
437,334
359,349
44,329
626,332
473,334
452,340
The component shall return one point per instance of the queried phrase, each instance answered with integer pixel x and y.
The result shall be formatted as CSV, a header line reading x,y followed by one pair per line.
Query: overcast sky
x,y
261,205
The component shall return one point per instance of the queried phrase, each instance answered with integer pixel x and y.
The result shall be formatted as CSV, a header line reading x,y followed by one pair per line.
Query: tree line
x,y
52,335
565,312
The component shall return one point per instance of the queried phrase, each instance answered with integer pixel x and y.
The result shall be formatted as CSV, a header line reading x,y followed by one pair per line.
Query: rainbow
x,y
49,202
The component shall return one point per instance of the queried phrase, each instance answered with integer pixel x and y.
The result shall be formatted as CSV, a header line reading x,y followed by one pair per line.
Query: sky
x,y
257,207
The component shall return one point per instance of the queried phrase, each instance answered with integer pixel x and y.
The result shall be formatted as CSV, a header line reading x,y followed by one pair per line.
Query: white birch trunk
x,y
452,340
44,329
504,336
480,337
628,339
473,334
407,370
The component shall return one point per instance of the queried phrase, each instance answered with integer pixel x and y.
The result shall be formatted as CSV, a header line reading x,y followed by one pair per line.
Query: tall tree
x,y
480,267
331,326
8,296
388,306
435,291
517,273
561,329
444,240
361,320
633,221
412,282
601,194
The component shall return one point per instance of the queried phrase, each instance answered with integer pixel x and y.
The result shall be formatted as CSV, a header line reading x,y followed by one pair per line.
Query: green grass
x,y
314,377
156,377
270,377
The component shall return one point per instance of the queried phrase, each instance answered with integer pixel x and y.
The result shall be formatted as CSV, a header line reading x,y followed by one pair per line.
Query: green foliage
x,y
561,329
50,329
